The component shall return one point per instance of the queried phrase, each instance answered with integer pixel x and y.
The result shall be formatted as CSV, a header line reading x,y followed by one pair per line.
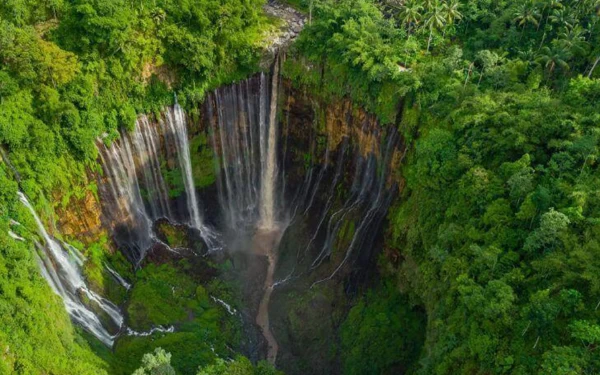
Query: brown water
x,y
265,243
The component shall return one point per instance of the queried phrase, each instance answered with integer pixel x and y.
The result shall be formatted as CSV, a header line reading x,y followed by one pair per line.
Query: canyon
x,y
299,190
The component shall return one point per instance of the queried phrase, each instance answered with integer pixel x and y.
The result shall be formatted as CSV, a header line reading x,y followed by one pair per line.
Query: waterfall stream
x,y
61,269
175,119
135,188
245,141
269,160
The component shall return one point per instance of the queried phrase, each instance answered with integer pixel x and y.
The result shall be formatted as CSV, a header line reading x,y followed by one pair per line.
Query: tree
x,y
573,40
554,56
158,363
410,15
239,366
435,19
546,237
526,14
563,18
452,10
562,360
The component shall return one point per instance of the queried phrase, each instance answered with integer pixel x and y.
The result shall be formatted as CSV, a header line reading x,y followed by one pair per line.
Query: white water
x,y
176,123
138,194
244,136
15,236
126,206
145,144
118,277
131,332
269,160
227,306
64,276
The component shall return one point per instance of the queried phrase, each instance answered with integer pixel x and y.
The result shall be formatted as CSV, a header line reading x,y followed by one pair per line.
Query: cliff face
x,y
340,164
81,219
336,178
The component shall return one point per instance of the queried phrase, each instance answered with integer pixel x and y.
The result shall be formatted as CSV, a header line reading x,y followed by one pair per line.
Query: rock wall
x,y
81,219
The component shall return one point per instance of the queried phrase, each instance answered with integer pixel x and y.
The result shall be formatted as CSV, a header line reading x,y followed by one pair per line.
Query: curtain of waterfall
x,y
135,191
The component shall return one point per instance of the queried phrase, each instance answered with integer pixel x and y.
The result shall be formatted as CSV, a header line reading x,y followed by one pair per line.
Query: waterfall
x,y
125,207
334,197
269,160
176,123
243,123
135,190
60,266
144,140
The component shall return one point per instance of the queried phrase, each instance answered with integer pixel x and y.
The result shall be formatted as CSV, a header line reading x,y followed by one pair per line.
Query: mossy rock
x,y
176,236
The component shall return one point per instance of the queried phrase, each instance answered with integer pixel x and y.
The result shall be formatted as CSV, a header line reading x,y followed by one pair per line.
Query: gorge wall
x,y
293,189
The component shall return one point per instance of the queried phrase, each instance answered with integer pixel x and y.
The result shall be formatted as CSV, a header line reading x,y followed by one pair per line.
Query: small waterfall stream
x,y
175,119
60,266
269,160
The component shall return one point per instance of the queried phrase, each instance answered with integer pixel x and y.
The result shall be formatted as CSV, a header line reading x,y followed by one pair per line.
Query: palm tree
x,y
573,40
551,5
410,14
526,14
553,57
452,12
436,18
429,4
528,56
563,18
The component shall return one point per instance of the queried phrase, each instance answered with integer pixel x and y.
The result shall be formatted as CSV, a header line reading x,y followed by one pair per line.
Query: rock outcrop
x,y
292,22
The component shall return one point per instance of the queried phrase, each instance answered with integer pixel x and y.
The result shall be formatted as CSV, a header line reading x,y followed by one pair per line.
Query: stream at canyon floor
x,y
265,243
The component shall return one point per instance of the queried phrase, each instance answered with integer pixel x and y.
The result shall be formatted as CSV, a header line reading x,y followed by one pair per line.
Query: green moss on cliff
x,y
36,335
203,170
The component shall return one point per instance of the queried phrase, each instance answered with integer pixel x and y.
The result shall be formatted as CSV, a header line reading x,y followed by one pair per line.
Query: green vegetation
x,y
72,71
203,169
176,236
96,274
497,227
163,295
381,334
36,335
159,363
166,296
239,366
495,235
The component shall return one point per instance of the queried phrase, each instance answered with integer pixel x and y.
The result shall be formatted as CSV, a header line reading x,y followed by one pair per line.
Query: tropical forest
x,y
299,187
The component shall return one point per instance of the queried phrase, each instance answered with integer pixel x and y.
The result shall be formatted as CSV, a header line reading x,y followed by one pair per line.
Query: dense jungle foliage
x,y
71,72
496,232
